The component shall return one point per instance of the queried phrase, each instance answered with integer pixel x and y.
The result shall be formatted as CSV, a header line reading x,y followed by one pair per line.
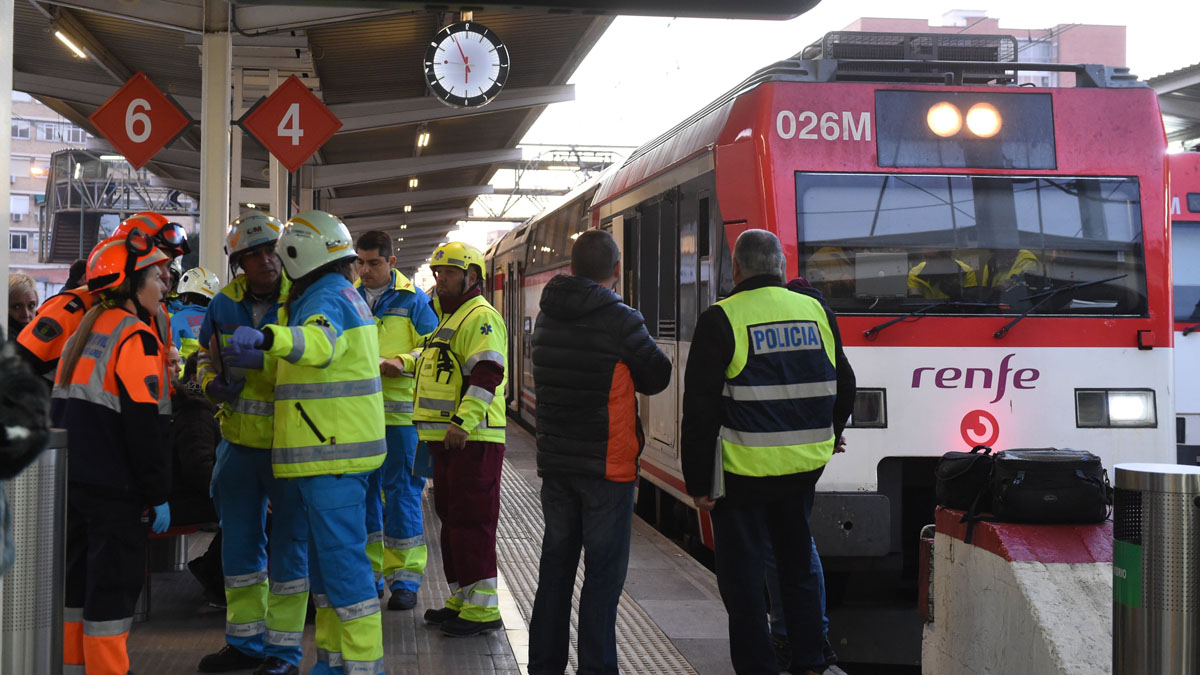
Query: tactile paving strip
x,y
641,645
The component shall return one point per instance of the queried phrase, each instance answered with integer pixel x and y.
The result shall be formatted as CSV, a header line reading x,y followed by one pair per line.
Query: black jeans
x,y
740,532
597,515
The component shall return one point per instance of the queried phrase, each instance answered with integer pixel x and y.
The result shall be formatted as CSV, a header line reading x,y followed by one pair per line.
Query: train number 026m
x,y
830,126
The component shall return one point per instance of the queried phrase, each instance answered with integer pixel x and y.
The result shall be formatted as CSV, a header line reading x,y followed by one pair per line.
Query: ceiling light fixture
x,y
62,37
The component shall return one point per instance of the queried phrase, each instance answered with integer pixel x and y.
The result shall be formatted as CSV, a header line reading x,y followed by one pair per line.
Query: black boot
x,y
227,660
277,666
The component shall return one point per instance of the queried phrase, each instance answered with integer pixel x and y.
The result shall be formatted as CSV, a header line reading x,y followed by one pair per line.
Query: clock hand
x,y
468,78
460,49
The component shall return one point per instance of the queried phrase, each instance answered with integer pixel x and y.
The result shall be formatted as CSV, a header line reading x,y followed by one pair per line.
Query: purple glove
x,y
237,357
221,390
246,337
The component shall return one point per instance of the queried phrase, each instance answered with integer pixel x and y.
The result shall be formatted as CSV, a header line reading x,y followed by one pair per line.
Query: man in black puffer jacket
x,y
591,353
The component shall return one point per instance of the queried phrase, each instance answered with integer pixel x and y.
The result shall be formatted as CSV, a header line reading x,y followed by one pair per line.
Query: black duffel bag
x,y
1049,485
963,479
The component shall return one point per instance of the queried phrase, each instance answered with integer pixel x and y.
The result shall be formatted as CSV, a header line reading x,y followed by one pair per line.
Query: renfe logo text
x,y
981,378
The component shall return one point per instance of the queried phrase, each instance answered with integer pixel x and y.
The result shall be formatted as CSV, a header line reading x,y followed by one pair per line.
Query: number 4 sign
x,y
139,120
291,123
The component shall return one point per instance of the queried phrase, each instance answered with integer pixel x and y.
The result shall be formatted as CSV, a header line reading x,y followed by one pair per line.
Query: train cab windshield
x,y
881,244
1185,246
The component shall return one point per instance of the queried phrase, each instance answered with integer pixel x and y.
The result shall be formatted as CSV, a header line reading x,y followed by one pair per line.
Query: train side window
x,y
702,234
668,267
647,266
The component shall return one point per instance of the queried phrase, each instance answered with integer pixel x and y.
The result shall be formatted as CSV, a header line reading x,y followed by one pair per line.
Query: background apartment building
x,y
1065,43
37,131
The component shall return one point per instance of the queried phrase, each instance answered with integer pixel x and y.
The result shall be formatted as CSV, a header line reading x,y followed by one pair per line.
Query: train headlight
x,y
870,409
1115,408
984,120
944,119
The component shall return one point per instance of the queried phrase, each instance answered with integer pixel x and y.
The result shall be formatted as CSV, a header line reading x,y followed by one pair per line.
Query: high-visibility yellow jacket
x,y
780,384
404,319
249,420
475,332
328,394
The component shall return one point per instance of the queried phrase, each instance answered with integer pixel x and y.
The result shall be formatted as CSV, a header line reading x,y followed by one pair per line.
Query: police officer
x,y
264,617
404,318
111,395
457,411
197,287
761,378
329,431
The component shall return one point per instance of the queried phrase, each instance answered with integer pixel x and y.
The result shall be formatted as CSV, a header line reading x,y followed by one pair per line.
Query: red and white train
x,y
997,256
1185,254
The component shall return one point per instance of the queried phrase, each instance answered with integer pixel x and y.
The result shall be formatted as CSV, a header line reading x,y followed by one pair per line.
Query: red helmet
x,y
167,235
116,258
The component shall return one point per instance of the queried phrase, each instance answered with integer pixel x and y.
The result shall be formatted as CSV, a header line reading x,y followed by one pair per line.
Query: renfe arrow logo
x,y
291,123
139,120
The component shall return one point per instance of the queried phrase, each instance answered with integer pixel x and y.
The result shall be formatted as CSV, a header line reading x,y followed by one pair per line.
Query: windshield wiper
x,y
1191,330
922,311
1046,295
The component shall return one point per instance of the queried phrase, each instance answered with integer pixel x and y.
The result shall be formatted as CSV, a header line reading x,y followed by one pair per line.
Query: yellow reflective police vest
x,y
473,333
249,420
780,385
328,395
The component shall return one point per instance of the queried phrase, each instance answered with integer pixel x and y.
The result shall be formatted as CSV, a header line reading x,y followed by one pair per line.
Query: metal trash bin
x,y
31,638
1156,569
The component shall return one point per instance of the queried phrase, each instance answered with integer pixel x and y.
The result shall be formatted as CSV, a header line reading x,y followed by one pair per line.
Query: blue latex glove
x,y
221,390
162,518
239,357
246,337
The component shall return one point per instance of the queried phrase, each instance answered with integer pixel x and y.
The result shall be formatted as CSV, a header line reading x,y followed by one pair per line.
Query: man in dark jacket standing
x,y
763,392
591,353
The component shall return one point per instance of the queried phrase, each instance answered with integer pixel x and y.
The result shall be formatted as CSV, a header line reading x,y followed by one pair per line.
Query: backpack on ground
x,y
1049,485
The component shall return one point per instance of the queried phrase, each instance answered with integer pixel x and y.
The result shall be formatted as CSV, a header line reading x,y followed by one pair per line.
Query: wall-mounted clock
x,y
466,64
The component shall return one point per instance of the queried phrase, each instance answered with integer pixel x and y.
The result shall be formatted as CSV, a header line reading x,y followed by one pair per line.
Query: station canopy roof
x,y
365,62
1179,96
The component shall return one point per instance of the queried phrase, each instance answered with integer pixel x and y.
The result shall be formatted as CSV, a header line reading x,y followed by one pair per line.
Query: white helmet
x,y
313,239
252,228
200,281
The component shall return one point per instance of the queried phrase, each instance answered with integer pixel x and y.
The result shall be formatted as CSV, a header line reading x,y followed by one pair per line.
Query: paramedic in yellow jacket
x,y
264,617
395,544
459,412
329,430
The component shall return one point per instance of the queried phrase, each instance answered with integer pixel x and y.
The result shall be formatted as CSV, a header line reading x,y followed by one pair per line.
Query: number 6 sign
x,y
291,123
139,120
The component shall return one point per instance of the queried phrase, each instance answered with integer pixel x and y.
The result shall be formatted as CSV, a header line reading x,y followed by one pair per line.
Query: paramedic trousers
x,y
349,627
395,530
263,617
466,496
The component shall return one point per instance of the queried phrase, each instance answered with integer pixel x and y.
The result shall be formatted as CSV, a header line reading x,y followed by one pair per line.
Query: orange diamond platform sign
x,y
139,120
291,123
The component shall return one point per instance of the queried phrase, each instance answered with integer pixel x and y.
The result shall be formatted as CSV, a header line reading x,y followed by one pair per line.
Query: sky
x,y
647,74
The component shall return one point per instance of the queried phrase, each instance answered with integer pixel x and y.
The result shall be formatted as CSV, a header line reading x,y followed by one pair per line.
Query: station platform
x,y
670,620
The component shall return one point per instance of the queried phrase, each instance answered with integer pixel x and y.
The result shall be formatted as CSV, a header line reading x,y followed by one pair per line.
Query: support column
x,y
6,80
216,100
235,140
277,173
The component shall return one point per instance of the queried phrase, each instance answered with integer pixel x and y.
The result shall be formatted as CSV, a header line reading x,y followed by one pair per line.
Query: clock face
x,y
466,64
